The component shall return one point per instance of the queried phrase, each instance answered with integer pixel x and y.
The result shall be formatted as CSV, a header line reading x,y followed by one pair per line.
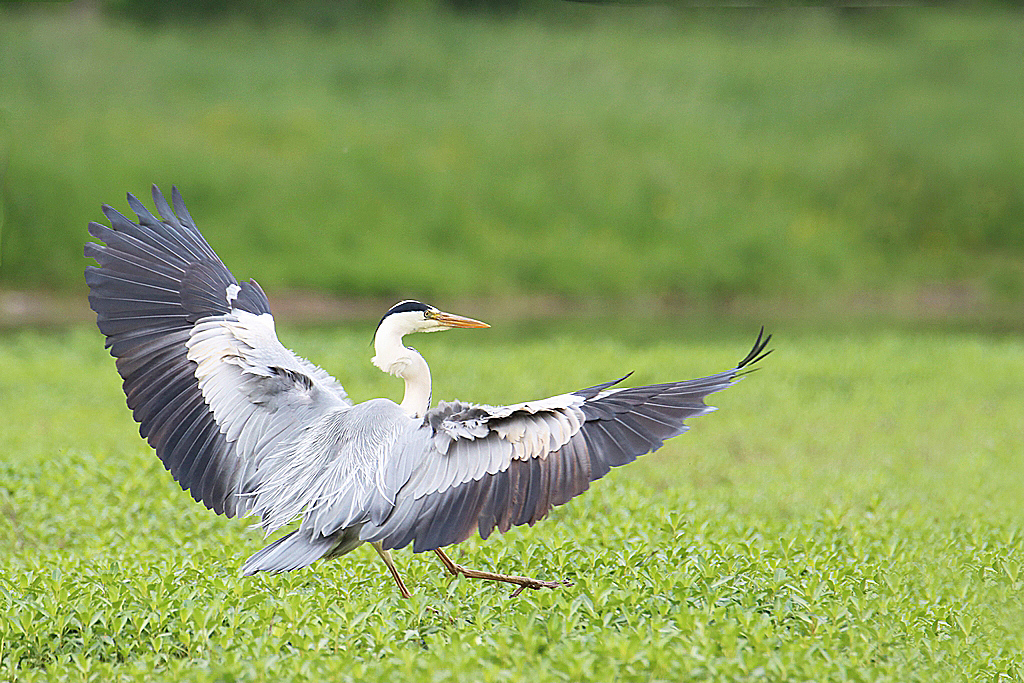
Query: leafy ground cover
x,y
613,154
850,513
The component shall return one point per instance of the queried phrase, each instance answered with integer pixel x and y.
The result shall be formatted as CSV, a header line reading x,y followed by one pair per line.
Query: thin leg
x,y
386,556
521,581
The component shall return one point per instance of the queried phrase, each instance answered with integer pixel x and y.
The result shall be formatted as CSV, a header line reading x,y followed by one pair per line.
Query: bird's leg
x,y
386,556
521,581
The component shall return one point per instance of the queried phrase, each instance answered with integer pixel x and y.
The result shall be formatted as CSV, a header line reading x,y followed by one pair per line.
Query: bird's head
x,y
405,318
410,316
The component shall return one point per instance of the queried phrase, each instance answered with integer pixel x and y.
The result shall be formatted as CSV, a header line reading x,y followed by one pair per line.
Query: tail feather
x,y
299,549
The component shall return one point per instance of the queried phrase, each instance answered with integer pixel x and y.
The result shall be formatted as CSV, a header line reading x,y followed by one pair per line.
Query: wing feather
x,y
197,351
474,467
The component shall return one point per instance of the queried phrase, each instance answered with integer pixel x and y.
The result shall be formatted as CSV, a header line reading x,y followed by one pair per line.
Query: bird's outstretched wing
x,y
474,467
212,388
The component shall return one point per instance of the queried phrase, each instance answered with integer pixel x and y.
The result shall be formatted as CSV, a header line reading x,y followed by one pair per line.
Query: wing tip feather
x,y
757,353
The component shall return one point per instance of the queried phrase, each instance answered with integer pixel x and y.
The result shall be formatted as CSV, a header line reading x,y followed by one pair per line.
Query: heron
x,y
248,427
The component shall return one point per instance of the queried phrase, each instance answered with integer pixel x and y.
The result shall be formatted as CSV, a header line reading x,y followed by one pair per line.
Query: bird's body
x,y
248,427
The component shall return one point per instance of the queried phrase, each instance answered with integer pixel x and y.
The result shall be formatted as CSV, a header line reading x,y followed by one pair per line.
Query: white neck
x,y
393,357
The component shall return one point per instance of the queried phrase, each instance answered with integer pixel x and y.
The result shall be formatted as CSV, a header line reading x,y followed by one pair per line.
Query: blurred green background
x,y
802,162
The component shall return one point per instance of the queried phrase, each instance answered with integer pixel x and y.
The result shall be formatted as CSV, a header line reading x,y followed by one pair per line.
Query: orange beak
x,y
452,320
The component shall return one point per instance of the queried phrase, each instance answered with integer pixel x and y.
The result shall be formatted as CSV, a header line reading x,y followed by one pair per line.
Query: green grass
x,y
625,153
852,512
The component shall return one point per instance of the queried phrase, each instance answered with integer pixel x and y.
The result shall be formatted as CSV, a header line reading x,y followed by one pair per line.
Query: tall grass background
x,y
603,153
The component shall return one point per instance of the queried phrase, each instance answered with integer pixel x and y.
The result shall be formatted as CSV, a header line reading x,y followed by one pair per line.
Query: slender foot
x,y
521,581
386,556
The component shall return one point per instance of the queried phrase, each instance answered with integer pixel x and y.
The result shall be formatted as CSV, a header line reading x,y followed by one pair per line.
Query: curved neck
x,y
417,385
396,359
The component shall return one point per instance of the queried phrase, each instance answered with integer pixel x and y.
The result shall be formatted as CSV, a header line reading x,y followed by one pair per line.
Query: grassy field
x,y
852,512
623,154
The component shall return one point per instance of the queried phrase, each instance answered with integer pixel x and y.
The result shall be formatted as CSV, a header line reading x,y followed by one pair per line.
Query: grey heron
x,y
249,428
